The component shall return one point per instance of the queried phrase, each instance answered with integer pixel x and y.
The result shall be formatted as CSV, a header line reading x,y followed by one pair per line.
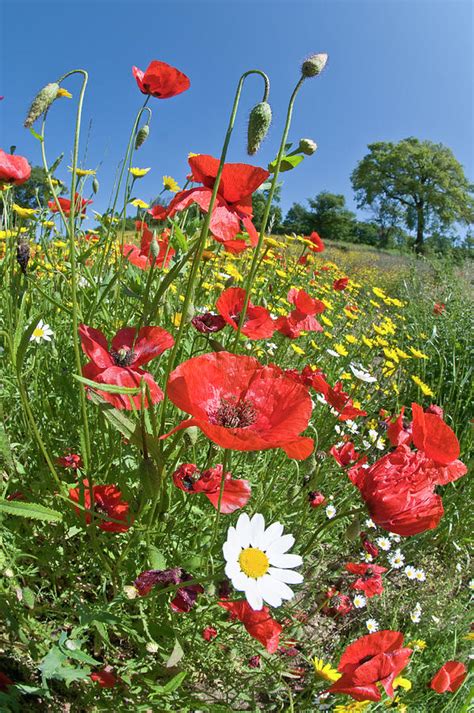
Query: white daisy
x,y
366,556
415,615
41,332
371,524
410,571
384,543
359,601
330,512
372,625
256,561
361,373
396,559
393,536
420,575
333,353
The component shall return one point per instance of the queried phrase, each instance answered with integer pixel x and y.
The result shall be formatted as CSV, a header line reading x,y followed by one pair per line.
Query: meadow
x,y
233,464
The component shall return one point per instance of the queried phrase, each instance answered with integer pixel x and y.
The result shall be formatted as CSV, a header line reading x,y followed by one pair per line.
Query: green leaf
x,y
34,511
179,237
176,655
28,597
109,388
156,558
175,682
36,136
287,163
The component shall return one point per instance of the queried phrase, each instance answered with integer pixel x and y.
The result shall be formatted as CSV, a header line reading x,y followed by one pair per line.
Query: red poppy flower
x,y
340,284
233,207
185,597
161,80
242,405
345,454
208,323
235,495
120,365
79,205
368,545
316,499
439,308
105,678
433,436
300,319
317,244
71,460
370,581
152,250
258,323
209,633
13,169
372,659
158,212
450,677
337,398
259,624
399,490
337,604
107,501
398,432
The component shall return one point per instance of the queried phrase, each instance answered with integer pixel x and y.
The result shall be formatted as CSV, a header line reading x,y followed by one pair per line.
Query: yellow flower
x,y
379,293
24,212
170,184
403,682
368,342
63,93
328,335
273,243
424,387
418,354
138,203
233,272
325,671
326,321
191,154
468,637
177,319
297,349
419,644
402,354
340,348
83,171
280,273
354,707
351,339
48,223
139,172
350,314
345,376
374,303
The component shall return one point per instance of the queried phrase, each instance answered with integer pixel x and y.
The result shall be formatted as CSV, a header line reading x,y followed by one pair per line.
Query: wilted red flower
x,y
368,545
184,598
152,250
13,169
399,490
107,501
233,205
71,460
242,405
372,659
209,633
258,323
259,624
337,603
340,284
316,499
158,212
317,244
439,308
301,319
450,677
208,323
345,454
370,581
254,662
105,678
398,432
161,80
235,495
5,681
79,205
120,365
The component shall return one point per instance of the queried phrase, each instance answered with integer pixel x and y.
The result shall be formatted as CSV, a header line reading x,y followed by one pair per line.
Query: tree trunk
x,y
420,229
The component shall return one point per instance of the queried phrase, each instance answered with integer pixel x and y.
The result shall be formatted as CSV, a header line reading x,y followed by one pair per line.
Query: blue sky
x,y
396,68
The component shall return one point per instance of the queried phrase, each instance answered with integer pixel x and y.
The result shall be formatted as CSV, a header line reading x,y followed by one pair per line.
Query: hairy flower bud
x,y
314,65
23,255
307,146
41,103
95,185
259,122
142,136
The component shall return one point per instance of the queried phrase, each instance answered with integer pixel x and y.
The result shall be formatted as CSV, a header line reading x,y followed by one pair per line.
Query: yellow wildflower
x,y
350,314
48,223
297,349
177,319
374,303
353,707
139,172
403,682
340,348
24,212
351,339
379,293
368,342
328,335
63,93
418,354
420,644
280,273
83,171
402,354
424,387
325,671
345,376
170,184
138,203
326,321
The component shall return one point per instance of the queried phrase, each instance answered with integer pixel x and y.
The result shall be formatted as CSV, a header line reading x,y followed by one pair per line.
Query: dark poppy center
x,y
123,357
233,413
100,509
365,659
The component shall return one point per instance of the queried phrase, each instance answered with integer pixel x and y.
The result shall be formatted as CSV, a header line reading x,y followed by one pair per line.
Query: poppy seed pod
x,y
314,65
41,103
259,122
142,136
307,146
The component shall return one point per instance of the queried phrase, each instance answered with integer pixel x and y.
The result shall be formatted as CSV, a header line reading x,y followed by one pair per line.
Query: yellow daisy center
x,y
38,332
253,562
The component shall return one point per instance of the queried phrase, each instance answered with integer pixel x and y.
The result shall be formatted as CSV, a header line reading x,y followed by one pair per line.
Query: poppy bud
x,y
314,65
23,255
95,185
353,530
41,103
142,136
259,122
307,146
154,248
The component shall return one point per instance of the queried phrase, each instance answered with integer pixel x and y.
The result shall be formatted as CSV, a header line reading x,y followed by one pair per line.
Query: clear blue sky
x,y
396,68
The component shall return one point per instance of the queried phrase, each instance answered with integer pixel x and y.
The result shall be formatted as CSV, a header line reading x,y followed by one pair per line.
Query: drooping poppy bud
x,y
43,101
142,136
314,65
307,146
259,122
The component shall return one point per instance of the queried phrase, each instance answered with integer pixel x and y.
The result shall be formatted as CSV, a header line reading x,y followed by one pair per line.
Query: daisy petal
x,y
286,561
231,551
271,533
243,530
283,544
286,575
257,527
253,596
268,592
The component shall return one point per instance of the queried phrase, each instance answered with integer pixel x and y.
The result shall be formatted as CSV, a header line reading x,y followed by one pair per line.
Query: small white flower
x,y
41,332
410,571
371,524
458,567
257,563
271,346
396,559
384,543
471,585
395,537
82,282
352,426
415,615
330,512
420,575
372,625
359,601
130,591
361,373
366,556
333,353
152,647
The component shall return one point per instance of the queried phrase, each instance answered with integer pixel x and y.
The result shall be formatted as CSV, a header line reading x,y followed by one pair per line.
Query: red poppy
x,y
439,308
71,460
209,633
336,397
208,323
161,80
370,581
259,624
316,499
152,250
301,319
398,432
105,678
107,501
158,212
258,323
399,490
317,244
235,495
337,604
185,597
345,454
433,436
233,207
372,659
120,364
79,205
242,405
13,169
368,545
340,284
450,677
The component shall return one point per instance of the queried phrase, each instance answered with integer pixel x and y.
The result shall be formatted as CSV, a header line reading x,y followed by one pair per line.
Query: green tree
x,y
35,191
330,217
259,201
421,182
298,220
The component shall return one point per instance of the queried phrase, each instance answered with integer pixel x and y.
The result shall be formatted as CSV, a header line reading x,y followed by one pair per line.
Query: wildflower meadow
x,y
233,462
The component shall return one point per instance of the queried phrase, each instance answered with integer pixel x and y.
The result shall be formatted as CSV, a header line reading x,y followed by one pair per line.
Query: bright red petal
x,y
94,345
434,437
